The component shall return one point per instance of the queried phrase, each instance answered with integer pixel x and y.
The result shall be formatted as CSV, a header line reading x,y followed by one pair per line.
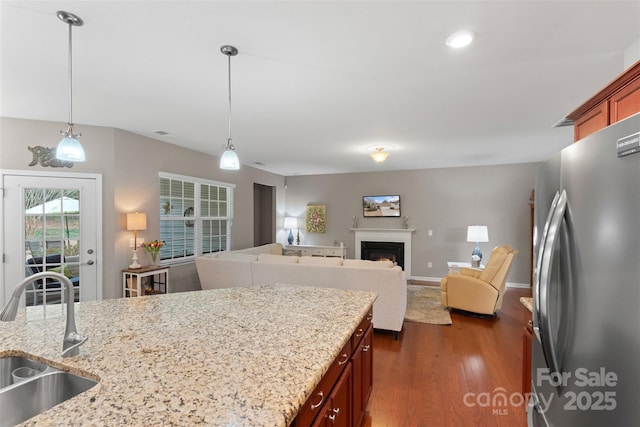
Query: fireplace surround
x,y
386,235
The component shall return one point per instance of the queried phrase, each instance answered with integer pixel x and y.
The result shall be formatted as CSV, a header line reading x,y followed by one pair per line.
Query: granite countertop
x,y
224,357
527,302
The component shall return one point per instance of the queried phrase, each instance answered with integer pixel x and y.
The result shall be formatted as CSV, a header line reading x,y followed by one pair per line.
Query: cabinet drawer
x,y
320,395
334,252
361,329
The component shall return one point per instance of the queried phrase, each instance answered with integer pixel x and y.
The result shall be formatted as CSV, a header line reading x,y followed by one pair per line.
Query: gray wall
x,y
445,201
129,165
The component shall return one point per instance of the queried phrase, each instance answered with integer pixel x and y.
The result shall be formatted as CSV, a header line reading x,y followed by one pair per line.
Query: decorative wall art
x,y
47,157
316,219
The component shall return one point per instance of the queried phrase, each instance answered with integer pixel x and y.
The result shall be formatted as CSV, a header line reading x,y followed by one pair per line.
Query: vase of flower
x,y
154,250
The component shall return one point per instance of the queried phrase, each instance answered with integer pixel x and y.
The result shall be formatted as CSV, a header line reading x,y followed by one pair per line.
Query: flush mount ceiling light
x,y
69,148
379,156
460,39
229,159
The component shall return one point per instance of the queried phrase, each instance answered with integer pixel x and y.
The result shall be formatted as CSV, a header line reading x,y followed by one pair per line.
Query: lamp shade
x,y
477,233
136,221
290,222
69,149
229,160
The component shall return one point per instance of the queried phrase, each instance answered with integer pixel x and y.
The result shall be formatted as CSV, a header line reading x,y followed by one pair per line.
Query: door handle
x,y
541,253
557,230
90,262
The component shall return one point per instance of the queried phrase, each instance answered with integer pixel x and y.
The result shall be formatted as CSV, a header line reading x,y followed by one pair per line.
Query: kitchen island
x,y
224,357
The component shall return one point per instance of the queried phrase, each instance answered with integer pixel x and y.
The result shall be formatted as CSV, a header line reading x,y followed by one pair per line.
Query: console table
x,y
316,250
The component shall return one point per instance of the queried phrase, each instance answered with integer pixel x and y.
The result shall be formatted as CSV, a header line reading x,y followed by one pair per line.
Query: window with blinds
x,y
195,217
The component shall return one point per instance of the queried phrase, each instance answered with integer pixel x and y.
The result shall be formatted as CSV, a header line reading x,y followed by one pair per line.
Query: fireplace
x,y
386,235
378,251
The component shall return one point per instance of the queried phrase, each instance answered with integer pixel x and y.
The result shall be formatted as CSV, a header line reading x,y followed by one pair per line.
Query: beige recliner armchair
x,y
479,291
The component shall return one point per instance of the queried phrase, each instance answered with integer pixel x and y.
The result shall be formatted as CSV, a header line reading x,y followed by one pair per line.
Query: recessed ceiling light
x,y
460,39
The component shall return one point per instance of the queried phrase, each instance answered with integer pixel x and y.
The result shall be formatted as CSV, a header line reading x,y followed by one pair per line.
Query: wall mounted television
x,y
381,206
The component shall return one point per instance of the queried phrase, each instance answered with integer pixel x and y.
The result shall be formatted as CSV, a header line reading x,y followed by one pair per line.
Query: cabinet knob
x,y
369,316
366,347
333,416
360,332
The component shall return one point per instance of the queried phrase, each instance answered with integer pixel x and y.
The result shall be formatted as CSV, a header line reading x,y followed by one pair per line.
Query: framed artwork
x,y
316,219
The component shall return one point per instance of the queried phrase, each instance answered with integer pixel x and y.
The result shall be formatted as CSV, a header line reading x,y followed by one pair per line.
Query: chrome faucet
x,y
72,339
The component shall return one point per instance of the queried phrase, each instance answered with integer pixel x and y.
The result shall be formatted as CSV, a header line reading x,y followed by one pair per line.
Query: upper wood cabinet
x,y
616,101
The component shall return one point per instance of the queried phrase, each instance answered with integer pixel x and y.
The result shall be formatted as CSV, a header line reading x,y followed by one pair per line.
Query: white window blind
x,y
195,217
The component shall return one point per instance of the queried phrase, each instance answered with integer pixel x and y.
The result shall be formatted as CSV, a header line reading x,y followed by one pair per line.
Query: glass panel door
x,y
50,225
52,240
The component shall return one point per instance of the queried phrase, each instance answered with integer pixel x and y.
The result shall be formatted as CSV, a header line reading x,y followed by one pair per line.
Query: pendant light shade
x,y
229,159
69,148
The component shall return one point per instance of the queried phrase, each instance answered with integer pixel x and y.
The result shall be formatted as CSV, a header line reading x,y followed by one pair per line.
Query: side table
x,y
148,280
455,266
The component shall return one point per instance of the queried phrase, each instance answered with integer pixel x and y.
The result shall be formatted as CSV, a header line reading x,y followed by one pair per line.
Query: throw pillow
x,y
320,260
237,256
367,263
279,259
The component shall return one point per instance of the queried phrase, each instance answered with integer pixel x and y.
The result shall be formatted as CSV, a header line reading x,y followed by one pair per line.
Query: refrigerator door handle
x,y
545,332
538,291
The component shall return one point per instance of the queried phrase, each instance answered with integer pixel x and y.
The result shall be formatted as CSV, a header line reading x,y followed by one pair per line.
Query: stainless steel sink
x,y
42,388
9,364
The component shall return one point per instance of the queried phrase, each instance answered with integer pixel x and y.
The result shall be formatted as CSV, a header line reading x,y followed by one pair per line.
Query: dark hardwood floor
x,y
452,375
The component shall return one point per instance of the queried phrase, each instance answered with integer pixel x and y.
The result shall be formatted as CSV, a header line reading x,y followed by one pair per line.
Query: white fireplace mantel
x,y
397,235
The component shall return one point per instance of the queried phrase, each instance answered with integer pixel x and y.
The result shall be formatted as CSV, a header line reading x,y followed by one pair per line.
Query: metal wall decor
x,y
47,157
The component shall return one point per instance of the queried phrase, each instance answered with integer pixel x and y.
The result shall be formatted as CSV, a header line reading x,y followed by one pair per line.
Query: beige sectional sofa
x,y
266,264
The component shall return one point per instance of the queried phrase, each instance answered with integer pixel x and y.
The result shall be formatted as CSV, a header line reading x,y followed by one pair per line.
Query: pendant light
x,y
229,159
69,148
380,155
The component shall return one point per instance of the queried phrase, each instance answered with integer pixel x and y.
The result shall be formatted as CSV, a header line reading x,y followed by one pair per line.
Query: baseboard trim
x,y
518,285
438,279
426,279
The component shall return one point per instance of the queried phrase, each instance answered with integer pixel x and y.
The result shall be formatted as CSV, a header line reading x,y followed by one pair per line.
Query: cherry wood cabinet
x,y
362,363
341,396
337,411
616,101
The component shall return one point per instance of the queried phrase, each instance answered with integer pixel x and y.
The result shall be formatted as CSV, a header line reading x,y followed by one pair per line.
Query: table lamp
x,y
477,234
135,222
290,223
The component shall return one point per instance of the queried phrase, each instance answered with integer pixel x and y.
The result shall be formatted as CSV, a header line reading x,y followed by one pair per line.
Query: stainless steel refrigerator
x,y
586,348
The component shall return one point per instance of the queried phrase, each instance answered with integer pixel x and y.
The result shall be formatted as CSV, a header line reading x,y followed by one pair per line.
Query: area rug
x,y
423,305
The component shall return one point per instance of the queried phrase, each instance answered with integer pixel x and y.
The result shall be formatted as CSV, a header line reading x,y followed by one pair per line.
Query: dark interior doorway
x,y
264,214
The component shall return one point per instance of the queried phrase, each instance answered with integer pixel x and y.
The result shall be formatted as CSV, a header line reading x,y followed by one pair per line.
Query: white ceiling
x,y
318,84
